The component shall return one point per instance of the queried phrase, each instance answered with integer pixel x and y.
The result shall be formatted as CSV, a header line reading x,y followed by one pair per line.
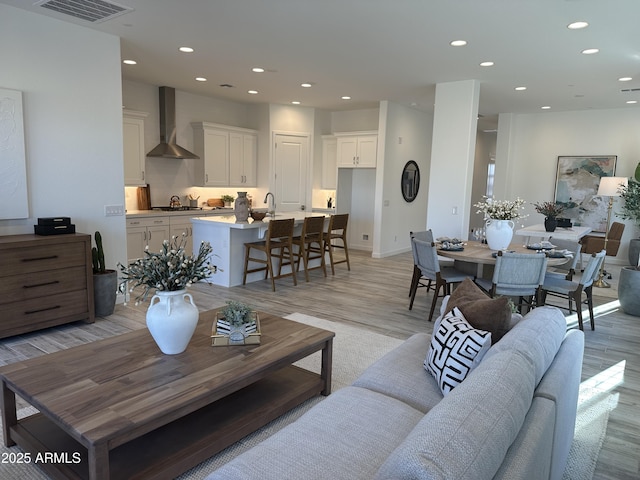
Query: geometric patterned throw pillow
x,y
456,349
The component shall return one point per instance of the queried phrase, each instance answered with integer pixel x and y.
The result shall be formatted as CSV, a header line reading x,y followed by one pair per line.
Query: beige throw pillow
x,y
481,311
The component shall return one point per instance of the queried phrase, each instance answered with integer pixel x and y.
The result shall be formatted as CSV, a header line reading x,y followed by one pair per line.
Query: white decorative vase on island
x,y
241,207
499,233
172,318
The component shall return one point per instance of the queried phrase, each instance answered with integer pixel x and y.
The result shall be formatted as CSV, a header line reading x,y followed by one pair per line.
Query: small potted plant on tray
x,y
551,212
236,324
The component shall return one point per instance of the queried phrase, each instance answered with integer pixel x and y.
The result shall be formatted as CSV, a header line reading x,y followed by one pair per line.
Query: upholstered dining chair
x,y
429,266
566,270
517,275
278,243
594,243
571,290
416,279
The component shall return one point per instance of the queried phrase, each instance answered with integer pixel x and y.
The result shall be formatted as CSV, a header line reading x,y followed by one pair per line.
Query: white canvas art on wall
x,y
13,169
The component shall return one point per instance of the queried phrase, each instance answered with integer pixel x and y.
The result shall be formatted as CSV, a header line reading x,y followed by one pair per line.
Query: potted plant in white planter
x,y
105,281
228,200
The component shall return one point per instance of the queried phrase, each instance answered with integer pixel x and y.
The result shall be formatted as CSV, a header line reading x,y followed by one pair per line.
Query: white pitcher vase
x,y
172,318
499,233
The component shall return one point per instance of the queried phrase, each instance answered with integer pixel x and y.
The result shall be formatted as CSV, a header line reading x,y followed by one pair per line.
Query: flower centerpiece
x,y
172,316
499,216
236,324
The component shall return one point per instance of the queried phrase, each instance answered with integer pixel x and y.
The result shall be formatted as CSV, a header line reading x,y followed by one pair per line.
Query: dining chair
x,y
595,243
310,245
278,242
430,269
566,270
517,275
416,278
571,290
337,231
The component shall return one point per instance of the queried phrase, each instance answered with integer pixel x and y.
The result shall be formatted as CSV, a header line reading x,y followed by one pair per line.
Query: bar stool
x,y
310,245
279,236
337,231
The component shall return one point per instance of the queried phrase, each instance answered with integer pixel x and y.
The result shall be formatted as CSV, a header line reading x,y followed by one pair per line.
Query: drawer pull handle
x,y
53,282
28,312
36,259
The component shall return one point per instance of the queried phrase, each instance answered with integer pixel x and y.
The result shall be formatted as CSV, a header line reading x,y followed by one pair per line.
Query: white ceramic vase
x,y
172,318
499,233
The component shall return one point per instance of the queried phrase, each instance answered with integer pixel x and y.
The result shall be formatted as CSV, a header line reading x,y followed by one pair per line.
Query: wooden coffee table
x,y
120,408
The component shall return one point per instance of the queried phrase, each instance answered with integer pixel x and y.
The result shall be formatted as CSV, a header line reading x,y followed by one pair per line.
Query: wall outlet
x,y
365,236
113,210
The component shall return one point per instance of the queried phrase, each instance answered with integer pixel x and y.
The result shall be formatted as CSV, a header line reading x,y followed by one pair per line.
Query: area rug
x,y
354,349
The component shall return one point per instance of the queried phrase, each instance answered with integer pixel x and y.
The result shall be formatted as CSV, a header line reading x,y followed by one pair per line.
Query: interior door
x,y
291,167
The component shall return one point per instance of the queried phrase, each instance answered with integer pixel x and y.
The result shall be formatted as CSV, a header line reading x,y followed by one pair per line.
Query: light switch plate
x,y
113,210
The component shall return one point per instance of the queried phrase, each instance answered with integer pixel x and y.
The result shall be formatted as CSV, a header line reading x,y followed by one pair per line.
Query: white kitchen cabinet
x,y
242,159
182,225
143,232
133,142
357,149
228,155
329,162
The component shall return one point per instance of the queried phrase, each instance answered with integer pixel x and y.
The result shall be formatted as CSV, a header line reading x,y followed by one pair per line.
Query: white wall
x,y
537,141
406,135
70,79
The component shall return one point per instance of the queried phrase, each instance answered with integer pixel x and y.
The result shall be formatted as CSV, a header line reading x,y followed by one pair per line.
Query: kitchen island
x,y
227,237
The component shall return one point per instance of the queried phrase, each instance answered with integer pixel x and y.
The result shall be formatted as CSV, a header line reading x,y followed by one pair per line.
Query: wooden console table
x,y
44,281
129,411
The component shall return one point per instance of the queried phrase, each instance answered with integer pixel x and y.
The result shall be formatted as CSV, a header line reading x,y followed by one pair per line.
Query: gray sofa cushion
x,y
467,435
400,375
355,426
537,336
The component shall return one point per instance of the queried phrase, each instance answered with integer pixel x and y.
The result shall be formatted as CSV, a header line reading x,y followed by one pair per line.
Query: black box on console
x,y
54,229
54,221
564,222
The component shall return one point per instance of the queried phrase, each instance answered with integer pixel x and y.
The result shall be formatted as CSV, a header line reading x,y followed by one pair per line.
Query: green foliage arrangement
x,y
169,270
228,198
238,313
549,209
501,209
631,199
97,255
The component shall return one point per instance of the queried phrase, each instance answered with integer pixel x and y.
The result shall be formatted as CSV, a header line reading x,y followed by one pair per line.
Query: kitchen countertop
x,y
172,213
229,221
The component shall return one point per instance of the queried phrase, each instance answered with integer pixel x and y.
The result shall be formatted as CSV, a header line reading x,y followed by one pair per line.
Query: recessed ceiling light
x,y
625,79
546,107
296,102
487,64
346,97
201,79
130,62
458,43
632,101
253,92
306,85
520,89
577,25
186,49
257,69
590,51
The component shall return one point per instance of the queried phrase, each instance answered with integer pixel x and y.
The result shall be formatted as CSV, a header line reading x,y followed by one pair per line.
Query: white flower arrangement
x,y
168,271
501,209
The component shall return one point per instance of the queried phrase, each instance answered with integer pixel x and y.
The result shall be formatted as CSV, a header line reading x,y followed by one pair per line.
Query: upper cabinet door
x,y
329,162
134,153
357,150
242,159
347,148
212,146
367,151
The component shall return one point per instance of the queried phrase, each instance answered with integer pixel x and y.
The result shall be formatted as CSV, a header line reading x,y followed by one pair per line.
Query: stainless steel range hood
x,y
168,148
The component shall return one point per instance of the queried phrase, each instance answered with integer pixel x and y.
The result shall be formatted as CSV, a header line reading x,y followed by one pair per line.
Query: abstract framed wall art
x,y
13,169
577,181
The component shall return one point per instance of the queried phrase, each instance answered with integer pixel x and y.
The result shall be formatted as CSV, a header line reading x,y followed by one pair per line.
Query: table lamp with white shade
x,y
609,187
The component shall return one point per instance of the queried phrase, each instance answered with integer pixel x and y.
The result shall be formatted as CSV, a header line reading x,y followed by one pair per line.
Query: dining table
x,y
475,256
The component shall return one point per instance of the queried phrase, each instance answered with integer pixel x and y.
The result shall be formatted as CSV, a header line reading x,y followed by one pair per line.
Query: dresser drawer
x,y
16,288
43,312
40,258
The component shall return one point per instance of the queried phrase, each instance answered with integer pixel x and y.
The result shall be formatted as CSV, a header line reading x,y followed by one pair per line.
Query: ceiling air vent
x,y
94,11
630,90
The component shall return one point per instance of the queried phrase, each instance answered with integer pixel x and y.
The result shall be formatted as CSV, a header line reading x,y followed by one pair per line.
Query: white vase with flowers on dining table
x,y
499,216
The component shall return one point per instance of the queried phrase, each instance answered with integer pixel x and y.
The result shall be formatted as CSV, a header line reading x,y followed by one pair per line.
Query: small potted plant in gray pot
x,y
105,281
629,283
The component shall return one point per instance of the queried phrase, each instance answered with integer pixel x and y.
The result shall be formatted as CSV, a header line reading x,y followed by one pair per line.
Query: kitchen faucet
x,y
272,211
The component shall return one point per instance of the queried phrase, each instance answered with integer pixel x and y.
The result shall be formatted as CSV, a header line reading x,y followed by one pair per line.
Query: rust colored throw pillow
x,y
481,311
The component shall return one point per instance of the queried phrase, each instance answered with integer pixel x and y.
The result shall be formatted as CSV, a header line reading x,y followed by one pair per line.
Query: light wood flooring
x,y
374,295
